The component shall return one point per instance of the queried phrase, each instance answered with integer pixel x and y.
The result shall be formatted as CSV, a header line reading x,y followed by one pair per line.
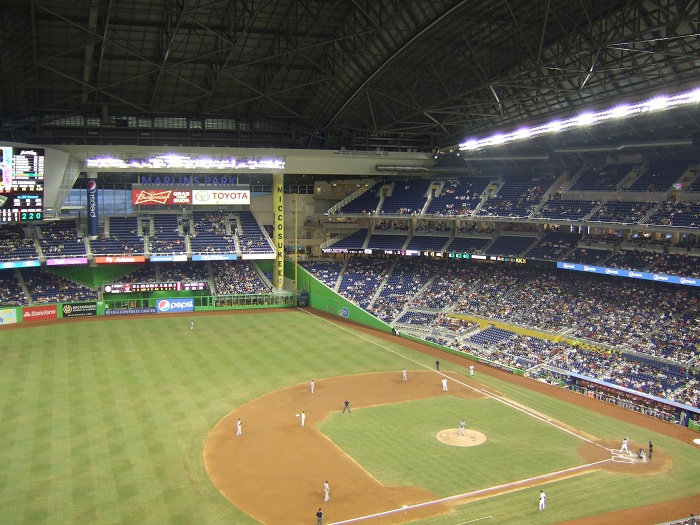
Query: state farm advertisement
x,y
160,197
39,313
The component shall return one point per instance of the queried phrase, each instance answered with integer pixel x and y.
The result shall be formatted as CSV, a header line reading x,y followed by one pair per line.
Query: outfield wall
x,y
323,298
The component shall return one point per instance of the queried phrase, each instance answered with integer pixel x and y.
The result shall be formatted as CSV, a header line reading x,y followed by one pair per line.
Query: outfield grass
x,y
104,421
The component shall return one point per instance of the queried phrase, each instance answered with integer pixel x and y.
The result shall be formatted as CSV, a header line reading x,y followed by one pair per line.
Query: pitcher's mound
x,y
471,438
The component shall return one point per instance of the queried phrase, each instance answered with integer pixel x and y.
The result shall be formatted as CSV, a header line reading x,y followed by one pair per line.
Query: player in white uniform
x,y
303,417
543,500
444,385
624,447
313,386
239,428
462,425
404,377
326,492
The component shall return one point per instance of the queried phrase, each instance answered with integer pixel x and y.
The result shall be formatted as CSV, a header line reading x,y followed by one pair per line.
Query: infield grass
x,y
103,422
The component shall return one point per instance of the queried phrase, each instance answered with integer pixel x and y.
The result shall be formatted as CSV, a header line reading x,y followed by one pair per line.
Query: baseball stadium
x,y
355,262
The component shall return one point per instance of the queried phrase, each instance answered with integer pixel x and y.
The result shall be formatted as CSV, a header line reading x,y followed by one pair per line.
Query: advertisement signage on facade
x,y
161,197
130,311
171,306
8,316
66,261
79,309
39,313
120,260
220,197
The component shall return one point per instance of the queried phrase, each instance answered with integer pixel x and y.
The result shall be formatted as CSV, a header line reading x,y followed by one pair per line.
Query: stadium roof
x,y
398,75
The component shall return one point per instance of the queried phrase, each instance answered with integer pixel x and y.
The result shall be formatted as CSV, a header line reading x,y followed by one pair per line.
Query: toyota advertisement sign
x,y
220,197
170,306
173,197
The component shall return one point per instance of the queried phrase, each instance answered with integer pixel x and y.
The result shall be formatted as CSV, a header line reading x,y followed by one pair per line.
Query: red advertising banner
x,y
160,197
39,313
120,260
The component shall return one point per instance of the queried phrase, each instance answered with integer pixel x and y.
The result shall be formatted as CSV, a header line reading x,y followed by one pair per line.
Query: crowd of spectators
x,y
16,244
167,236
182,271
622,212
362,277
404,282
658,320
61,239
209,233
11,292
237,279
45,287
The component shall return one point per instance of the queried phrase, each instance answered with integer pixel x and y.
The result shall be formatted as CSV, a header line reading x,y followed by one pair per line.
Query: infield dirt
x,y
274,471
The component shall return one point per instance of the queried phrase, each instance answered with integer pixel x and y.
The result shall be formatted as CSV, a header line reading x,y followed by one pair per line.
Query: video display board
x,y
156,287
22,184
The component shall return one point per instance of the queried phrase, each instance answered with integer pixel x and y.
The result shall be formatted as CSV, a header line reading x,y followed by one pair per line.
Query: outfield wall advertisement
x,y
8,316
39,313
79,309
173,305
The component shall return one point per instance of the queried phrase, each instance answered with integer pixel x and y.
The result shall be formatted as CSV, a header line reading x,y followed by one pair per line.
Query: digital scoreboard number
x,y
22,184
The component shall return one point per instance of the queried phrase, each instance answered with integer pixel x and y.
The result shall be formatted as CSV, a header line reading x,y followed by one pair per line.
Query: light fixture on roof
x,y
184,162
588,118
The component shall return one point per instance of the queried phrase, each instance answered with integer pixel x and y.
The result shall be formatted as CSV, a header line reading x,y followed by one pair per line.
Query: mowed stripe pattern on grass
x,y
104,421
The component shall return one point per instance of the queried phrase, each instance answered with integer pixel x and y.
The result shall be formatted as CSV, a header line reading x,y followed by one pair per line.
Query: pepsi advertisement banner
x,y
93,220
170,306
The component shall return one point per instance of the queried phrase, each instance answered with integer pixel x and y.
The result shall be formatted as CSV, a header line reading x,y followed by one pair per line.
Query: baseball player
x,y
313,385
347,407
404,377
462,425
303,417
444,385
319,517
239,427
543,500
624,448
191,325
326,491
471,370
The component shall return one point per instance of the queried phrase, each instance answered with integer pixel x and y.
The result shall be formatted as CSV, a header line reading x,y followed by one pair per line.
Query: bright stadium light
x,y
585,119
588,118
658,104
620,111
184,162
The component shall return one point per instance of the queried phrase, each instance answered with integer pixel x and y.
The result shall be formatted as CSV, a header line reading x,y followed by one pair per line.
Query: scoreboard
x,y
22,184
155,287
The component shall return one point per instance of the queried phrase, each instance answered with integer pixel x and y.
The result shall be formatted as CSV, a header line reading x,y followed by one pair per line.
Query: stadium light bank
x,y
586,118
184,162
